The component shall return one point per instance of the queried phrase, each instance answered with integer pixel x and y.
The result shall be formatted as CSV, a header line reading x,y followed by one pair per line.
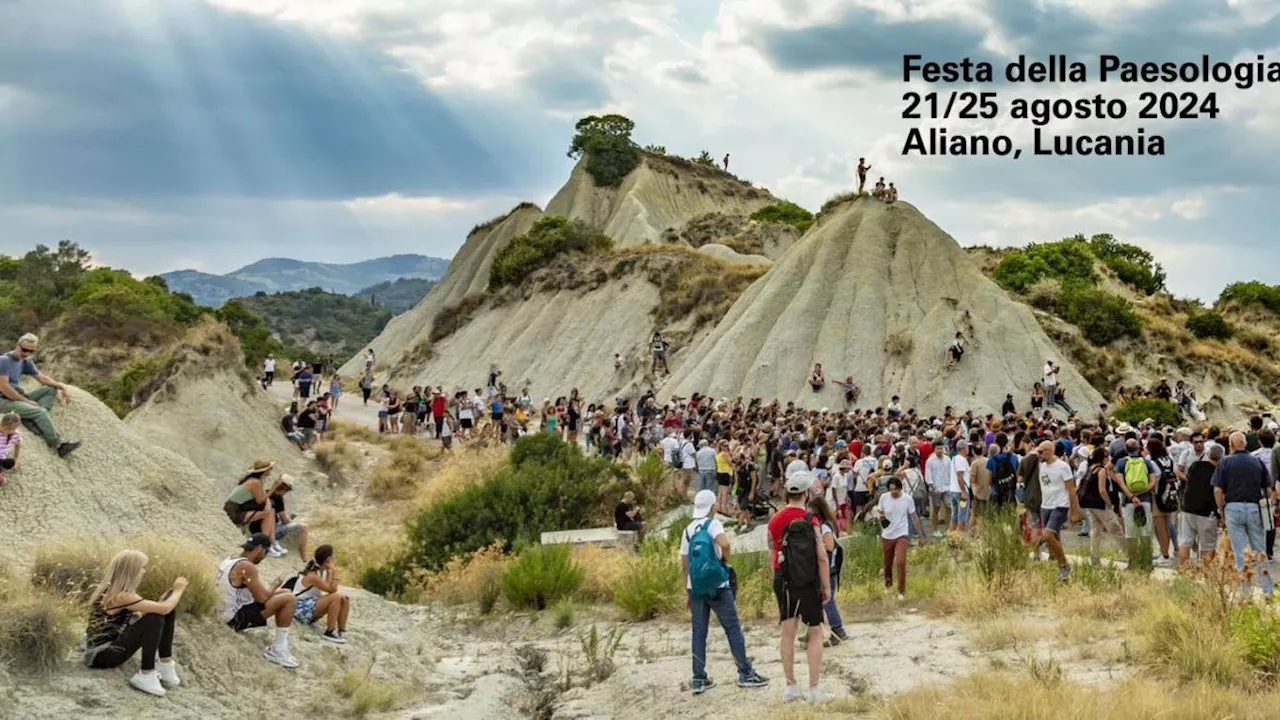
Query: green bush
x,y
540,576
1139,409
1210,325
1001,555
785,212
1134,266
606,141
704,158
1068,261
549,486
1257,631
1102,317
454,316
386,580
549,238
651,583
1252,293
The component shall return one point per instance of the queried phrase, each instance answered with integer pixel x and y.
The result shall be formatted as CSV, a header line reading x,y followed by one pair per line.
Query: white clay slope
x,y
876,291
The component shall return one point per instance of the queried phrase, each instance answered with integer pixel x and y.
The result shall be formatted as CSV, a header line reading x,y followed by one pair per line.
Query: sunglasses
x,y
26,350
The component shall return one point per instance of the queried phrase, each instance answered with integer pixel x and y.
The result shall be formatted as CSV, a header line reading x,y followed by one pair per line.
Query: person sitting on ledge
x,y
817,379
33,407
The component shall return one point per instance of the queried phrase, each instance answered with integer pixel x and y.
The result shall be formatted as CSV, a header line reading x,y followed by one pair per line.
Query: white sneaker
x,y
277,551
283,658
901,597
791,694
148,683
819,694
168,672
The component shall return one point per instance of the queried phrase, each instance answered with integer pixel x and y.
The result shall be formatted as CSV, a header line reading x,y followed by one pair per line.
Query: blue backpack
x,y
706,572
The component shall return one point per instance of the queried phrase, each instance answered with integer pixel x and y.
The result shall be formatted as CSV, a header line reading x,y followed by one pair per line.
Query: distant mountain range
x,y
399,295
274,275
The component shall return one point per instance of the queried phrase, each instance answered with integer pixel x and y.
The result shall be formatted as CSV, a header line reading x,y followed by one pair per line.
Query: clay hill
x,y
569,319
875,291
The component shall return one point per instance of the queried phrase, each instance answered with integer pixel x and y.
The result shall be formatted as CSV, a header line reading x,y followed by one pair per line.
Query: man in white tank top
x,y
244,602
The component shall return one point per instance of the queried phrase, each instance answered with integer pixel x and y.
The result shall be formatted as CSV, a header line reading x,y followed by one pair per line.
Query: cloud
x,y
176,98
685,72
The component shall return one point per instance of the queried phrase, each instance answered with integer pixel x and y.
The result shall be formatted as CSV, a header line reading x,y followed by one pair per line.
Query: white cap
x,y
800,481
702,504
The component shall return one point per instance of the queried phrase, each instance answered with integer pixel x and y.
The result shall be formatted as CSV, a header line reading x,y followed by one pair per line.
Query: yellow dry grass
x,y
342,460
362,539
465,577
603,569
460,471
406,466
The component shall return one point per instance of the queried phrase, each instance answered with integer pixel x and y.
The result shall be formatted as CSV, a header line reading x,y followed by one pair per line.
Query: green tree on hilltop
x,y
606,141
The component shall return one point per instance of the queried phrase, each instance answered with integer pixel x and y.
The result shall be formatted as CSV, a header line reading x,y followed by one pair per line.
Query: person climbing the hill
x,y
246,603
801,583
122,622
711,587
316,595
816,379
269,371
851,392
863,167
10,443
249,500
35,407
286,525
659,349
956,349
369,360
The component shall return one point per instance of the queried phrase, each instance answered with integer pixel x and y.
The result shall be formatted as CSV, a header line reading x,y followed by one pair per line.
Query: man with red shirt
x,y
439,405
804,602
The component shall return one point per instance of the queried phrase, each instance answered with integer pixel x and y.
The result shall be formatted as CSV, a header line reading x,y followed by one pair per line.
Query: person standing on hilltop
x,y
726,162
32,407
863,167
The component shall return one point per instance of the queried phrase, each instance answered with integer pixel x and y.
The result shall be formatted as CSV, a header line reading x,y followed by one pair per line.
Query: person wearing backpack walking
x,y
1137,477
1004,471
801,583
704,553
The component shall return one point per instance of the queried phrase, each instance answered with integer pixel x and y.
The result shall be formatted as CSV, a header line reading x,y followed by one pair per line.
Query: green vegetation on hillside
x,y
1252,293
1210,325
396,296
549,238
1139,410
606,141
322,322
785,212
1101,316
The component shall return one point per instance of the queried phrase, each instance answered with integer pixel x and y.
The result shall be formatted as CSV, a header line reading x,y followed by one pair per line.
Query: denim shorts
x,y
1053,519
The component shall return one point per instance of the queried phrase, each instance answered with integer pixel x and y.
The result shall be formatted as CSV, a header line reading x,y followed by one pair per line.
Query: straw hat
x,y
260,466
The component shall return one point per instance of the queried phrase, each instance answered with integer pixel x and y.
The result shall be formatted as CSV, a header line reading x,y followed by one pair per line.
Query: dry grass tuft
x,y
398,475
366,694
72,569
466,578
353,432
604,567
341,460
898,345
35,633
361,540
460,471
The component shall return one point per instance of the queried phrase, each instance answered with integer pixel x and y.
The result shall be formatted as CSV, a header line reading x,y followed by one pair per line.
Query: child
x,y
10,443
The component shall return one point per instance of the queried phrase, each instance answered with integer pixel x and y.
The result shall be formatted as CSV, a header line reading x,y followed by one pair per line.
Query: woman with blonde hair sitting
x,y
121,622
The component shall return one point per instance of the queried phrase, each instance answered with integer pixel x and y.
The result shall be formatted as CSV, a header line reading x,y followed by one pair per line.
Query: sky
x,y
207,134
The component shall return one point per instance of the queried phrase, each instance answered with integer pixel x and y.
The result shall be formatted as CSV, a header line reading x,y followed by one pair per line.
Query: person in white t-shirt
x,y
723,603
959,488
1057,502
897,512
688,463
269,370
1049,377
938,474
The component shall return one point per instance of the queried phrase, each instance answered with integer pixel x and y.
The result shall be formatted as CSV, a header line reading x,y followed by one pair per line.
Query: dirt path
x,y
350,408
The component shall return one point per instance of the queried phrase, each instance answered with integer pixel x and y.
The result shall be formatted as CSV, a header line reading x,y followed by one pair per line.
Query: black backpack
x,y
1167,490
800,554
1004,473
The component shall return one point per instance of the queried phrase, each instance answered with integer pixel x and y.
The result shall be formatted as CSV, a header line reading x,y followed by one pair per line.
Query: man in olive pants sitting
x,y
32,407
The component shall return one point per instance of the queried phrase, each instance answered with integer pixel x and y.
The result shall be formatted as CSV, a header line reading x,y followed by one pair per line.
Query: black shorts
x,y
805,604
466,423
861,499
249,616
956,353
724,479
497,417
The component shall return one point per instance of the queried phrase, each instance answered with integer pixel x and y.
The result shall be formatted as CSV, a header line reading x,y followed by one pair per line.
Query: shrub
x,y
755,584
704,158
454,316
540,576
1252,293
702,290
1137,410
35,634
1045,294
1102,317
898,345
549,486
339,459
603,568
606,141
1209,325
367,694
785,212
651,583
1068,261
551,237
1001,554
1134,266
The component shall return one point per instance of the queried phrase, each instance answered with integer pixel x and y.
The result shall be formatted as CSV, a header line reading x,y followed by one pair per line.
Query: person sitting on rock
x,y
891,195
10,443
878,191
34,407
289,424
246,603
286,525
816,379
956,349
249,500
628,515
122,622
316,596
